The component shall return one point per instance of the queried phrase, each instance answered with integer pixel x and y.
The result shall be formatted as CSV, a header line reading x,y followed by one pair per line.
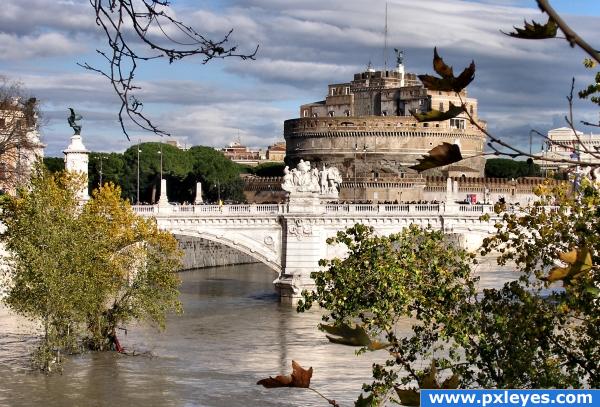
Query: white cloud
x,y
36,46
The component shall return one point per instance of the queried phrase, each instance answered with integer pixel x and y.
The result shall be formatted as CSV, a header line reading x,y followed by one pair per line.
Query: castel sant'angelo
x,y
365,129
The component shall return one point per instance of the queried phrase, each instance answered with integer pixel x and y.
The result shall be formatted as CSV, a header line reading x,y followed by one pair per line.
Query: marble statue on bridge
x,y
304,179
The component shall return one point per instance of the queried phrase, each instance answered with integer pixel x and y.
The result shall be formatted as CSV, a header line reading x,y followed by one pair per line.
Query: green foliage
x,y
54,164
82,271
536,31
181,168
518,336
593,90
416,273
507,168
272,169
565,328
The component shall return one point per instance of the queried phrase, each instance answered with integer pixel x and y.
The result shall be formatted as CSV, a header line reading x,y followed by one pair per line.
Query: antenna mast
x,y
385,33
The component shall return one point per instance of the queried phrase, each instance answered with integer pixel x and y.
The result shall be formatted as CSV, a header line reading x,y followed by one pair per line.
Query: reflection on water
x,y
233,332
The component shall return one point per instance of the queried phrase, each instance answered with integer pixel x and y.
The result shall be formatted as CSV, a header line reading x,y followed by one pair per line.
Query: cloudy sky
x,y
304,45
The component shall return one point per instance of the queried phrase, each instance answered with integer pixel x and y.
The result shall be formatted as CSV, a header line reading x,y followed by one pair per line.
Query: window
x,y
347,113
441,106
331,113
375,194
315,115
347,90
384,113
471,109
332,91
457,123
305,113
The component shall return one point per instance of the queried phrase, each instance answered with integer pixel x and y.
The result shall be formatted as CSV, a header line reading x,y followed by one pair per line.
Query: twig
x,y
330,401
572,37
117,18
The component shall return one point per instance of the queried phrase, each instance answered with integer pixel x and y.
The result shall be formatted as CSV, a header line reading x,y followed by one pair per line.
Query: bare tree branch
x,y
18,133
130,24
571,36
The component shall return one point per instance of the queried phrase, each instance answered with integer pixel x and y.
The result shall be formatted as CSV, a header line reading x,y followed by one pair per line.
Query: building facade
x,y
19,140
365,128
563,143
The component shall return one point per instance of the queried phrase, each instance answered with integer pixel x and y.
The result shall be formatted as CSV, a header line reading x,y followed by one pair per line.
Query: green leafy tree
x,y
384,279
54,164
507,168
82,271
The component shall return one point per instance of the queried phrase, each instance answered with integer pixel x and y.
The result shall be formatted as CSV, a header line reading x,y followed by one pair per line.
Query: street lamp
x,y
354,187
161,160
138,171
101,172
218,185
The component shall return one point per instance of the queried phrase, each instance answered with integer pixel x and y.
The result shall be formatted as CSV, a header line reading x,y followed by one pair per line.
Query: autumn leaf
x,y
447,82
438,116
438,156
451,382
344,334
429,380
578,260
409,397
535,31
300,377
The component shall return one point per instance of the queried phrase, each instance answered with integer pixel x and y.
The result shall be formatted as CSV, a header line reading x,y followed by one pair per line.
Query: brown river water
x,y
232,333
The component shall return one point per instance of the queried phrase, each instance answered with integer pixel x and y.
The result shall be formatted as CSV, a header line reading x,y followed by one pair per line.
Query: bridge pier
x,y
302,246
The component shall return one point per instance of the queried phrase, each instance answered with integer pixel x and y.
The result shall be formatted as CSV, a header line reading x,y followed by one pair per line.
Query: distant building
x,y
20,141
241,154
365,128
563,143
276,152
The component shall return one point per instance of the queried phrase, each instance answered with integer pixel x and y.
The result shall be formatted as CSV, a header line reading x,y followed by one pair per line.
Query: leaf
x,y
579,260
535,31
451,382
440,66
437,116
409,397
438,156
447,82
300,377
344,334
364,401
429,380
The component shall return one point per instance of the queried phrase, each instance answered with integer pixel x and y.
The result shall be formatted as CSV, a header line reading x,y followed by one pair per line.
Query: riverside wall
x,y
200,253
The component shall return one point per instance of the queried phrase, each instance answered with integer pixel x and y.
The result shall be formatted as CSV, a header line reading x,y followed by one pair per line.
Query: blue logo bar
x,y
510,398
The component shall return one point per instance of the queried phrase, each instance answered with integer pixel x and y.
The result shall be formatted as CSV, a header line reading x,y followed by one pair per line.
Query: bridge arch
x,y
270,259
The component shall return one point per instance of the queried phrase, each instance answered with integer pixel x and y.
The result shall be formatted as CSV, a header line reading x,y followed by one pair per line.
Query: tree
x,y
82,271
19,142
143,31
54,164
506,168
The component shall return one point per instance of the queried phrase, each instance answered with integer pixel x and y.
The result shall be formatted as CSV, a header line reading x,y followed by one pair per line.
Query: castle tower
x,y
76,160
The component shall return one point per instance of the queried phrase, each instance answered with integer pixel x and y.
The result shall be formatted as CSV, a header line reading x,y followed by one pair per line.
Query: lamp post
x,y
101,172
354,188
218,185
161,160
138,171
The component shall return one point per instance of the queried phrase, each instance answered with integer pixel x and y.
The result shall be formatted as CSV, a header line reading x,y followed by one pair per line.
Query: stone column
x,y
163,200
198,199
76,160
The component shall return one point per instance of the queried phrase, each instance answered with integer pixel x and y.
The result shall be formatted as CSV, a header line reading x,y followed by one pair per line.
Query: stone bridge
x,y
291,238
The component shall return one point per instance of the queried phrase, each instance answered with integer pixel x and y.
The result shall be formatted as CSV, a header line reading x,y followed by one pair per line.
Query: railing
x,y
341,209
209,209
